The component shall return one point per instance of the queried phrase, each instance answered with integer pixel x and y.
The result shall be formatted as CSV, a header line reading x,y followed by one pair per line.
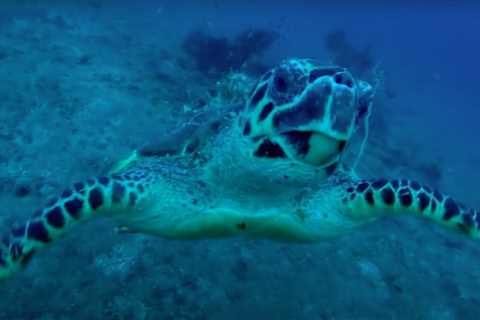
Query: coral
x,y
209,53
344,54
251,44
220,55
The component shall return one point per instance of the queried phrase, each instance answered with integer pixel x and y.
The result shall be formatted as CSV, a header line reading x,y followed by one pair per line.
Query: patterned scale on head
x,y
305,112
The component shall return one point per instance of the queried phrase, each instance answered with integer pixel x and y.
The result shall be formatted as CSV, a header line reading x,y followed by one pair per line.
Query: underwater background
x,y
84,83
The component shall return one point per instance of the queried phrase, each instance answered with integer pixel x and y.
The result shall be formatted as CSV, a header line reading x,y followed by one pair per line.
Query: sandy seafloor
x,y
82,85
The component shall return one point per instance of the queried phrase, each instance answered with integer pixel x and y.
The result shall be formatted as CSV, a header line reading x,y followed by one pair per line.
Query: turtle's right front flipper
x,y
103,196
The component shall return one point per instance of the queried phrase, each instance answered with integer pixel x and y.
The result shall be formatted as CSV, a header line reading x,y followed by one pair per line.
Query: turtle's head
x,y
305,112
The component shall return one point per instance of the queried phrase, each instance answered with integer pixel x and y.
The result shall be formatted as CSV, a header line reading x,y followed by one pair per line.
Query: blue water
x,y
85,83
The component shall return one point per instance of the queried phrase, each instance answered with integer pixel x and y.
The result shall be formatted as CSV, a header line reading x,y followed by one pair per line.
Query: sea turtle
x,y
273,170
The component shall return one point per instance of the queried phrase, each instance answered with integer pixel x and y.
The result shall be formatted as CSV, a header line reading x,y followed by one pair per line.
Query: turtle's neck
x,y
232,166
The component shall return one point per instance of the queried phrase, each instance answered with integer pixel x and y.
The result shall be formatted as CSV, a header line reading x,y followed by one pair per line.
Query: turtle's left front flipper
x,y
368,199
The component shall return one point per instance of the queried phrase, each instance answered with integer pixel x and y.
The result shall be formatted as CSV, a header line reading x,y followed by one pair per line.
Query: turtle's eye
x,y
344,78
286,83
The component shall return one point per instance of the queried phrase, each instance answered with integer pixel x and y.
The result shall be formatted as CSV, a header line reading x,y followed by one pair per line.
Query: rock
x,y
22,191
